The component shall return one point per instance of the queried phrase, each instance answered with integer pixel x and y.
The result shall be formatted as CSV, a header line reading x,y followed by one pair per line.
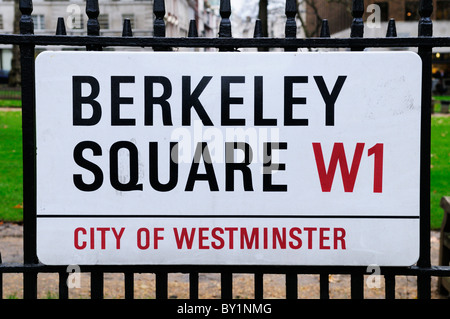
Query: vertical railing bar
x,y
97,282
161,285
291,25
324,286
159,26
225,23
357,286
129,285
258,33
1,278
226,285
193,285
389,286
425,53
93,26
291,286
29,148
259,285
357,26
63,288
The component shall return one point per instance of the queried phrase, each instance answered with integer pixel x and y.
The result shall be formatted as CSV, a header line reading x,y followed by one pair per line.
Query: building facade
x,y
112,13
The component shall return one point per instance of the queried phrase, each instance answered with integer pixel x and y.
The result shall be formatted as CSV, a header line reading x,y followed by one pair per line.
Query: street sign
x,y
228,158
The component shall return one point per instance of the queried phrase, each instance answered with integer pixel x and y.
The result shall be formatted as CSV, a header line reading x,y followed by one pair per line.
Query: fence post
x,y
291,286
324,286
259,285
161,278
129,285
97,282
291,25
193,285
357,27
93,27
225,23
425,53
226,285
357,285
159,26
29,149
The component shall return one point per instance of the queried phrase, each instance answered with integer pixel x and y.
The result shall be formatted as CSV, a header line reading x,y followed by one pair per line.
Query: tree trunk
x,y
262,15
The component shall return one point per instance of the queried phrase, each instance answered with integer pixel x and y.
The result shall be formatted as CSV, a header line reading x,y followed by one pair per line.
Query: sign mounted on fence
x,y
228,158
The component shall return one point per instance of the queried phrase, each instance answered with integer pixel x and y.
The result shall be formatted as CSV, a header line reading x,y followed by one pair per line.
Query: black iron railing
x,y
224,42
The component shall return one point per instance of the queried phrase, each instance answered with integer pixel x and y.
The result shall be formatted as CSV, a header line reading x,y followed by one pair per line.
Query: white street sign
x,y
228,158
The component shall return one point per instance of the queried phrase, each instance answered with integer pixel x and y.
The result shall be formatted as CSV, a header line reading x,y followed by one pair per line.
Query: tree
x,y
313,7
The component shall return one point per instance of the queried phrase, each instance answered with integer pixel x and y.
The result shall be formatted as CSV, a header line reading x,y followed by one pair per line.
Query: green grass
x,y
438,99
440,166
11,166
10,103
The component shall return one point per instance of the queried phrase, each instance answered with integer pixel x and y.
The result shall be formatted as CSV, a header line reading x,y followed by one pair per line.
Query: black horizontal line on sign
x,y
230,216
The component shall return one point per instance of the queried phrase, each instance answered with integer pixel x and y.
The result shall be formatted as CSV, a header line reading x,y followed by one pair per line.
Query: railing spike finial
x,y
357,28
257,33
159,26
127,30
391,29
425,23
325,29
92,11
26,22
192,32
291,24
290,28
225,23
93,26
60,27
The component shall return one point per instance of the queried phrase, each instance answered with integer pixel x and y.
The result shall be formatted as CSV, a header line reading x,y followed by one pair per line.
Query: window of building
x,y
1,21
412,11
130,17
443,10
38,21
103,20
